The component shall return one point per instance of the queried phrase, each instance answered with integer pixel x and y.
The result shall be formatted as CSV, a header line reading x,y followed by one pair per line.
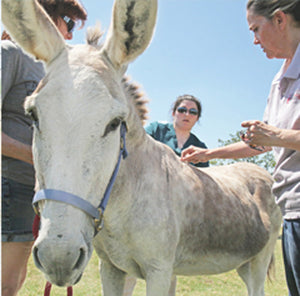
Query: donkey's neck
x,y
136,133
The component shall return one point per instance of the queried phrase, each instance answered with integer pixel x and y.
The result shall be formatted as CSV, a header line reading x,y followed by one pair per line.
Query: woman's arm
x,y
236,150
15,149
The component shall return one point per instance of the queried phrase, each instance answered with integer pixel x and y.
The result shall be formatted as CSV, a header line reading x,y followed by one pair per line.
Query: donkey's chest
x,y
118,251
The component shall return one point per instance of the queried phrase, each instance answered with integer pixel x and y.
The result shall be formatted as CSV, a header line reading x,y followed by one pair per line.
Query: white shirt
x,y
283,111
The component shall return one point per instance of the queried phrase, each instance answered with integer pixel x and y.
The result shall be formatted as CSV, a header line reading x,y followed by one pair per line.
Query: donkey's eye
x,y
113,125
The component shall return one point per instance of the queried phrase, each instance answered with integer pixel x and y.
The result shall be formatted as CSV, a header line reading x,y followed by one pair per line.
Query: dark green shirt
x,y
165,133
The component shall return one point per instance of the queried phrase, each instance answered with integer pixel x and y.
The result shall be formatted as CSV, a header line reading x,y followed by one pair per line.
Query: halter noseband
x,y
95,212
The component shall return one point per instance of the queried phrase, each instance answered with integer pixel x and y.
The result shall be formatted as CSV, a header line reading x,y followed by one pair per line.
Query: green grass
x,y
227,284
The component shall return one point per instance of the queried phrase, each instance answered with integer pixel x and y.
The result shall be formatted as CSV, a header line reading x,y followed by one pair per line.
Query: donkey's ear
x,y
130,31
32,29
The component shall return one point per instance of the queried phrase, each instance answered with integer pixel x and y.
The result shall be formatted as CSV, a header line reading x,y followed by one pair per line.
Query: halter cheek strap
x,y
95,212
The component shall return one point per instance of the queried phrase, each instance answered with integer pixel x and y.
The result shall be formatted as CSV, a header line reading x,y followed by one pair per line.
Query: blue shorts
x,y
17,211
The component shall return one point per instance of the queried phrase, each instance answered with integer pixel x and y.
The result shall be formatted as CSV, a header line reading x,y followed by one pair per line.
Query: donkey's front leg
x,y
158,282
112,279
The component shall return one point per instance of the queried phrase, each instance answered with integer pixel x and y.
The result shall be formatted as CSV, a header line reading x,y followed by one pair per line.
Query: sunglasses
x,y
191,111
70,23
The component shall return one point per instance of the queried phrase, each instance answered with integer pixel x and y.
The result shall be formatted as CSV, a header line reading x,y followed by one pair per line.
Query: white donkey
x,y
163,217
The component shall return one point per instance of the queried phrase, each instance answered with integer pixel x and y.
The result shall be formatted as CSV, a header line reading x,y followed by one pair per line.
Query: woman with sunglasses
x,y
276,28
20,76
186,112
65,14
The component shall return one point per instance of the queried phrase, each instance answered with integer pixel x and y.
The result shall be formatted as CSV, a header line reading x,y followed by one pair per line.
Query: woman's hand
x,y
194,154
260,133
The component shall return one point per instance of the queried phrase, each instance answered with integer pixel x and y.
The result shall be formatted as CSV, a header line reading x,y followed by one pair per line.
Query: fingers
x,y
253,134
194,154
188,157
254,128
187,151
249,123
189,154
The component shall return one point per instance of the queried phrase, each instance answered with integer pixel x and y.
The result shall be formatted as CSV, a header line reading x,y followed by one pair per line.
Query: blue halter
x,y
78,202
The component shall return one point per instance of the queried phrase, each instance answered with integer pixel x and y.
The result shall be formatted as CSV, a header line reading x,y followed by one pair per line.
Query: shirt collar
x,y
293,71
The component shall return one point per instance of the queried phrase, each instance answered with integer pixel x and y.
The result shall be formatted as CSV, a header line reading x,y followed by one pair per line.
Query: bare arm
x,y
236,150
15,149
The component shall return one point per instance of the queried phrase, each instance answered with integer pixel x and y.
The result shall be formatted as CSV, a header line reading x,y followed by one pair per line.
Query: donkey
x,y
163,217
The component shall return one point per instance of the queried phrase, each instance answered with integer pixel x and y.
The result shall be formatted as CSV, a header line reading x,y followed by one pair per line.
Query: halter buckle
x,y
36,209
99,221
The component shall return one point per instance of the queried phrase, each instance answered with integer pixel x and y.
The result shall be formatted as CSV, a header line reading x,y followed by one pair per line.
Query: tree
x,y
265,160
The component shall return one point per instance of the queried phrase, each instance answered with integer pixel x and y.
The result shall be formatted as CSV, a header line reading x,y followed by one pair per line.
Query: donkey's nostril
x,y
36,258
81,259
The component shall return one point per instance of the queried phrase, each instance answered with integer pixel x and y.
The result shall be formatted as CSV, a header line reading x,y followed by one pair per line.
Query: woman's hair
x,y
268,8
58,8
182,98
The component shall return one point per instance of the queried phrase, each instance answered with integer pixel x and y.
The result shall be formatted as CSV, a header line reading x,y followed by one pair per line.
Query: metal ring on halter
x,y
36,209
99,221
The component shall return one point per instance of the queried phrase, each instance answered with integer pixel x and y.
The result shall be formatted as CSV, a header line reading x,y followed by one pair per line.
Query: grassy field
x,y
228,284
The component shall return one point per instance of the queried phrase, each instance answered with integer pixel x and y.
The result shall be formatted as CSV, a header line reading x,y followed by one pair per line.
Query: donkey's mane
x,y
132,90
134,93
93,35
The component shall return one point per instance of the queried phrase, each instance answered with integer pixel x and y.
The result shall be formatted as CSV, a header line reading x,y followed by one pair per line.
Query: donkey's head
x,y
78,112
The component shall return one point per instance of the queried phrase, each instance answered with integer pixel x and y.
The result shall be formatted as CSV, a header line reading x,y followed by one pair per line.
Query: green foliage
x,y
265,160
